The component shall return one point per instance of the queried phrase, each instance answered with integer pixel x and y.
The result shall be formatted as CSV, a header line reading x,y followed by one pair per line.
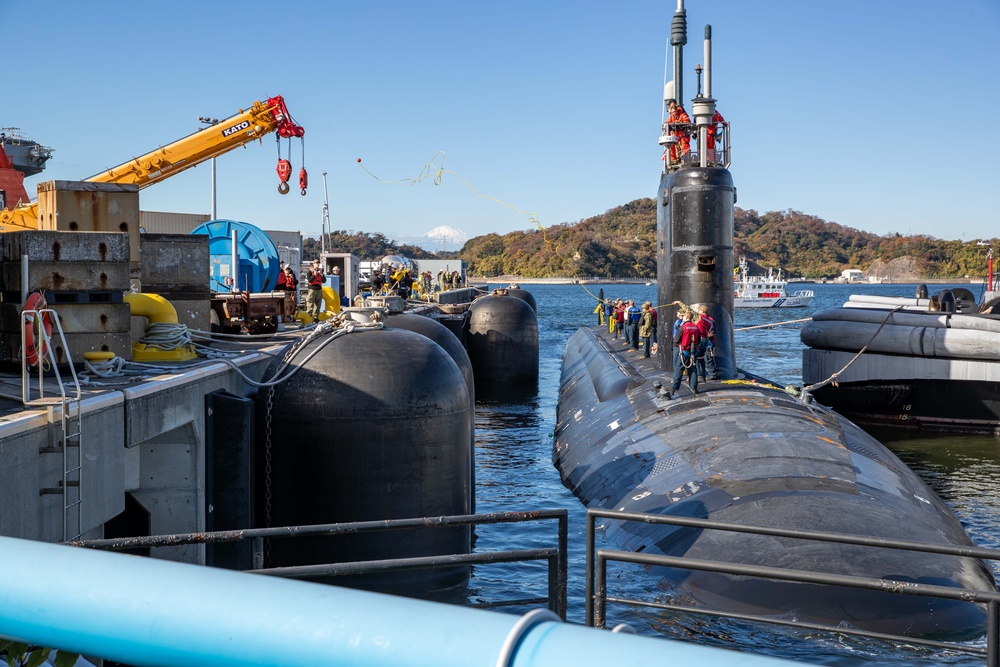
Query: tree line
x,y
621,243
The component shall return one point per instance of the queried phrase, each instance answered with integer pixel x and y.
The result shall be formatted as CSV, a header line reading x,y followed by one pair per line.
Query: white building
x,y
852,275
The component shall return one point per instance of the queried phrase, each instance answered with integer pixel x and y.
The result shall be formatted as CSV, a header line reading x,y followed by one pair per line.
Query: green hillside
x,y
621,243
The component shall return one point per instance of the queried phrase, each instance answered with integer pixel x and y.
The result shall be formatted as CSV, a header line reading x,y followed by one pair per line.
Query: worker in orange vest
x,y
713,130
676,114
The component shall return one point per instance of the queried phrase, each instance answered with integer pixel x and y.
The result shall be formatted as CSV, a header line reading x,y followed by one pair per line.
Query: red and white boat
x,y
766,291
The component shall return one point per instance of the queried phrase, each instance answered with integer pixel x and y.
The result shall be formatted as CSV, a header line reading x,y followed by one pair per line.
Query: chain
x,y
267,457
268,432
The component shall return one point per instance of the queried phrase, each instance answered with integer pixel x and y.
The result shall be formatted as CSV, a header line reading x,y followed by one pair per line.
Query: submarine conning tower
x,y
694,215
745,452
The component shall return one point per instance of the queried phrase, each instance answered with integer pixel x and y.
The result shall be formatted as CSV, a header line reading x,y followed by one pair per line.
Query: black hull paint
x,y
954,406
753,455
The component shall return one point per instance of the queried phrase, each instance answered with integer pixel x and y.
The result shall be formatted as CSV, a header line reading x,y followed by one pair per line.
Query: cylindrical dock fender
x,y
440,334
524,295
502,340
374,426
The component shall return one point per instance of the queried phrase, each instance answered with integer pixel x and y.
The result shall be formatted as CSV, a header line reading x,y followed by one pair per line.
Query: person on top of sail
x,y
714,131
676,114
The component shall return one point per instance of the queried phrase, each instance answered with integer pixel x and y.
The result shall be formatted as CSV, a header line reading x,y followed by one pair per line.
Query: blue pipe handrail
x,y
597,559
556,558
150,612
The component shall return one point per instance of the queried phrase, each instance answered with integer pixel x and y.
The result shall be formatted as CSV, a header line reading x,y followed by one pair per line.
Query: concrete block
x,y
79,206
68,276
195,313
76,317
23,471
174,263
77,344
61,246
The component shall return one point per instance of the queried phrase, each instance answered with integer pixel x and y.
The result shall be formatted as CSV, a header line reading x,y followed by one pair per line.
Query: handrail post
x,y
601,585
563,563
589,603
553,592
258,553
992,632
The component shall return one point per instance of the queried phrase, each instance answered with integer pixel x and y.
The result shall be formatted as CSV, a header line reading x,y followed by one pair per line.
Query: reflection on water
x,y
964,471
514,472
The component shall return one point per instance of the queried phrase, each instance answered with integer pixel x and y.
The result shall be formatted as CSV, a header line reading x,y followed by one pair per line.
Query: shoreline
x,y
642,281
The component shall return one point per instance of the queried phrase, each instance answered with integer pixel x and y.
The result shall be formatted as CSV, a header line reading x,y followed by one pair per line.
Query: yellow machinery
x,y
260,119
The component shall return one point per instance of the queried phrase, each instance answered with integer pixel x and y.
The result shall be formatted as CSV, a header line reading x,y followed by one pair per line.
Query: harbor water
x,y
514,472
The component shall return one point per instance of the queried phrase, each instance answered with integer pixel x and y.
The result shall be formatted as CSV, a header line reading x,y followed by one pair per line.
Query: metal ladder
x,y
66,427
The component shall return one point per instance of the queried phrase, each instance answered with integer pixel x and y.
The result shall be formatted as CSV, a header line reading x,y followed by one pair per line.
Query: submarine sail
x,y
739,450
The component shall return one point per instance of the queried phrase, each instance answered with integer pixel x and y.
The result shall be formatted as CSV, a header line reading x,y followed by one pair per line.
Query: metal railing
x,y
554,557
719,156
68,439
597,597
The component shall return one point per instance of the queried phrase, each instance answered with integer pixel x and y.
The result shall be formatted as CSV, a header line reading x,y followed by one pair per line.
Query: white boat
x,y
766,291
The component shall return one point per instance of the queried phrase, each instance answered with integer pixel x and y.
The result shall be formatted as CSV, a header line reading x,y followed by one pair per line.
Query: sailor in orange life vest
x,y
314,297
686,340
678,115
282,277
714,130
291,282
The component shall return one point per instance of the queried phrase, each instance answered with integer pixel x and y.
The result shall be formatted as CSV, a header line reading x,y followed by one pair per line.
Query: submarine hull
x,y
748,454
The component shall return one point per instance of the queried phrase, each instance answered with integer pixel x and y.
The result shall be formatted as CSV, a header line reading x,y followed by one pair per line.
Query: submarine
x,y
741,450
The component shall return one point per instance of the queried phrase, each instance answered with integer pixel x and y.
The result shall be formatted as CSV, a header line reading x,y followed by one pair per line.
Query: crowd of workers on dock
x,y
401,281
691,339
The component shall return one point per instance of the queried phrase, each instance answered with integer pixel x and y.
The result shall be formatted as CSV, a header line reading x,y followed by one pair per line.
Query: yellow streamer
x,y
432,168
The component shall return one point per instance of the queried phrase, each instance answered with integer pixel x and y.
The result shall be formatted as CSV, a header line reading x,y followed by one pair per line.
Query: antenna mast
x,y
325,223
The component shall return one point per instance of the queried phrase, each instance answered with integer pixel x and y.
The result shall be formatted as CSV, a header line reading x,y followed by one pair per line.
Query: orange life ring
x,y
34,350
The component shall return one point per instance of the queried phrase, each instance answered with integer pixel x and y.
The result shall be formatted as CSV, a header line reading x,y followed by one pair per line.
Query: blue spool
x,y
257,256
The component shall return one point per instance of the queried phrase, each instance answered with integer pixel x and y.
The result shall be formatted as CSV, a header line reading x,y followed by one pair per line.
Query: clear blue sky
x,y
876,114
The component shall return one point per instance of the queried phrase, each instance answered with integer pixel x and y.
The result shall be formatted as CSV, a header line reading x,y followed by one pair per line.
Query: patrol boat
x,y
768,291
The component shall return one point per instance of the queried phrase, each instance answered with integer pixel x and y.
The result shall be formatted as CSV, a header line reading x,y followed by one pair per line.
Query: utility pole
x,y
325,224
211,121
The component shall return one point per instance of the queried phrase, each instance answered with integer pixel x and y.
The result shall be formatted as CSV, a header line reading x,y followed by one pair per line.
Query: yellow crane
x,y
260,119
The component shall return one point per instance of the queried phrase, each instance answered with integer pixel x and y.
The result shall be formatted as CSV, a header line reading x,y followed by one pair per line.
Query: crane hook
x,y
303,180
284,170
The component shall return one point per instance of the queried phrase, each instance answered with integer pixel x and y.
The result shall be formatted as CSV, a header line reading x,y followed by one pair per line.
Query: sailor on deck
x,y
676,114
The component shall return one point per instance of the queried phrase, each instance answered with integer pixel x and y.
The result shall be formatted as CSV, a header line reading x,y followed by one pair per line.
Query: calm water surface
x,y
514,437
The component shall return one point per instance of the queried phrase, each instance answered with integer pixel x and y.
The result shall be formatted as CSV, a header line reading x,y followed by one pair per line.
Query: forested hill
x,y
621,243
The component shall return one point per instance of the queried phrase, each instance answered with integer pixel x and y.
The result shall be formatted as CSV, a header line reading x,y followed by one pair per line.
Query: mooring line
x,y
772,324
